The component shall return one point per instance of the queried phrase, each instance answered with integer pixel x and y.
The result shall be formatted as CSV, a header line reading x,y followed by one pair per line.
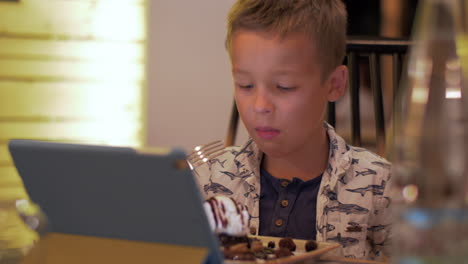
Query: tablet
x,y
115,192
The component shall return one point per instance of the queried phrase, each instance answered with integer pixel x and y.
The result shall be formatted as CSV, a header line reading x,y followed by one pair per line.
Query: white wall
x,y
190,87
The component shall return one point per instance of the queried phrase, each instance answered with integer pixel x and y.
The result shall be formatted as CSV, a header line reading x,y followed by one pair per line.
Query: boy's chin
x,y
271,149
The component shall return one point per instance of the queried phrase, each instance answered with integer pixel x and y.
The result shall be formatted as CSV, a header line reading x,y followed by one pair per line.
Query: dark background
x,y
364,17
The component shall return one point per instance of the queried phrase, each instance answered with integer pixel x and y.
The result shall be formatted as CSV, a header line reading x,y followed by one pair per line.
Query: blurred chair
x,y
359,50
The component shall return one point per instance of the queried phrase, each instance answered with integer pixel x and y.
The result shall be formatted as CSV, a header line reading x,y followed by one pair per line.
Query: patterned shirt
x,y
352,204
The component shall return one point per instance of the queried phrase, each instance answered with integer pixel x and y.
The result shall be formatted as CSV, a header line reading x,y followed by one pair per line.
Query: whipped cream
x,y
227,216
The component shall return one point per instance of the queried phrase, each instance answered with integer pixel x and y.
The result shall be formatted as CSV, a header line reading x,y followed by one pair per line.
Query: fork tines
x,y
204,153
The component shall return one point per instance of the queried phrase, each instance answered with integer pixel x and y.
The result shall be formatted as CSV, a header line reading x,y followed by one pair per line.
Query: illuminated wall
x,y
70,70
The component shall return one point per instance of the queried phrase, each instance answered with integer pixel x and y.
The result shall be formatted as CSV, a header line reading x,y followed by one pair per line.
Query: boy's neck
x,y
305,164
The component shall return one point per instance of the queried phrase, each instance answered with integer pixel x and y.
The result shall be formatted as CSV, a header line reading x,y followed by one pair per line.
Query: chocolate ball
x,y
288,243
271,244
310,245
227,240
256,246
283,252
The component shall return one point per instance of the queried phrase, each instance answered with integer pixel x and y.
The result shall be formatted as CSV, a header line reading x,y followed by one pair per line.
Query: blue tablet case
x,y
115,192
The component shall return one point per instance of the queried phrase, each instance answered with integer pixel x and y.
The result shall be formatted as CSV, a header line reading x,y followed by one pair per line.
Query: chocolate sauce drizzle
x,y
218,210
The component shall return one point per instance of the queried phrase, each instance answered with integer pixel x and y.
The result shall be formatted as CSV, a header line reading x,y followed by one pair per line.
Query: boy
x,y
296,176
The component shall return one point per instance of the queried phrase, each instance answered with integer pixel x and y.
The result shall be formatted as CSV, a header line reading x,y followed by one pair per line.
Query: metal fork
x,y
205,153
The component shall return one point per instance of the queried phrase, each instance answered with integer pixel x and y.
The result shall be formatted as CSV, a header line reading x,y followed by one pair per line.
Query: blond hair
x,y
322,20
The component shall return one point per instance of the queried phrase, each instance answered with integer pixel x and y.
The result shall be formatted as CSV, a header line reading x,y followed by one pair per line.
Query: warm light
x,y
118,20
453,64
419,72
106,51
410,193
453,79
419,95
21,203
453,94
117,63
420,69
71,71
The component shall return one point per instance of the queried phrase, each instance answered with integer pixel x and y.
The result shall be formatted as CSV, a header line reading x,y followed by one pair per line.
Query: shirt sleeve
x,y
381,221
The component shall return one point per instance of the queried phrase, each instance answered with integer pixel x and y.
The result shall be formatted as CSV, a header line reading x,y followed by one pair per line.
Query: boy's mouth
x,y
267,132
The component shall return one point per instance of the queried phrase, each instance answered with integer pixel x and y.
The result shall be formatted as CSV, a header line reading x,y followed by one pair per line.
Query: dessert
x,y
310,245
288,243
271,244
283,252
230,221
226,216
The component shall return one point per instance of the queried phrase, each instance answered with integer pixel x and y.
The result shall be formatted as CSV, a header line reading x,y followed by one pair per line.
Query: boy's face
x,y
279,91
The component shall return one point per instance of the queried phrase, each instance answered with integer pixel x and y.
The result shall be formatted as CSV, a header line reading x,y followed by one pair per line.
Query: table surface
x,y
341,260
57,248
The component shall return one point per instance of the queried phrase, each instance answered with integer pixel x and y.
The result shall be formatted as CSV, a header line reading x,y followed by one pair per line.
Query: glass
x,y
22,224
431,140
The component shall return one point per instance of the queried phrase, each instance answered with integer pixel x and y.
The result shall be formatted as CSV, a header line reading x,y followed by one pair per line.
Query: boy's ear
x,y
338,81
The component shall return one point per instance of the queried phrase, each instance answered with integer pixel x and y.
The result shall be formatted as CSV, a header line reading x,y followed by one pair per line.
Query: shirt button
x,y
284,203
284,183
278,222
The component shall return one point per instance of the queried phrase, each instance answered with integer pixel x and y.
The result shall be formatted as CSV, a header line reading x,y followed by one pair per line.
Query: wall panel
x,y
70,70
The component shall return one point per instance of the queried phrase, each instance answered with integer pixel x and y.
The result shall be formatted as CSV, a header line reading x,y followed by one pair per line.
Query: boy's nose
x,y
262,103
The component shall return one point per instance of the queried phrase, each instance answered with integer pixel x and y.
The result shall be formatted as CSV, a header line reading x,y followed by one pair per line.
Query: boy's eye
x,y
246,86
285,88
